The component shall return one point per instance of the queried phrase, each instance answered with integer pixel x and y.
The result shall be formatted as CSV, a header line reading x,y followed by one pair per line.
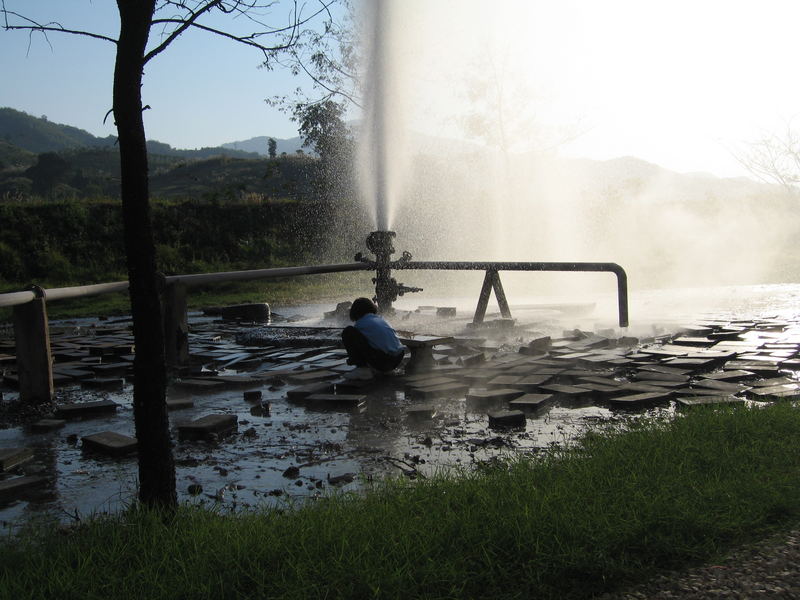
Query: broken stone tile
x,y
563,392
664,370
652,376
722,386
110,443
493,395
507,419
311,376
12,488
110,370
205,427
696,365
200,385
776,392
80,409
179,403
694,341
43,425
785,381
11,457
336,401
440,391
502,381
531,402
470,360
427,381
103,383
639,400
531,383
302,392
601,390
691,401
730,376
422,412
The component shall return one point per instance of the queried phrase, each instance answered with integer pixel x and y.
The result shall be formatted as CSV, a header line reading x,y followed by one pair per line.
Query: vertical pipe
x,y
34,360
176,325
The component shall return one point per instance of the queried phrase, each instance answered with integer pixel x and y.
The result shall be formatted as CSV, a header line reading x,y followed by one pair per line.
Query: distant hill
x,y
259,145
38,135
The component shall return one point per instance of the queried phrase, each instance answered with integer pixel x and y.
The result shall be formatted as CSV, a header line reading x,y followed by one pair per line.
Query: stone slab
x,y
647,376
639,400
531,402
11,457
565,391
200,385
502,381
722,386
507,419
692,401
779,391
440,391
43,425
311,376
730,376
103,383
424,341
179,403
300,393
205,427
11,488
428,381
336,401
422,412
80,409
110,443
531,383
494,395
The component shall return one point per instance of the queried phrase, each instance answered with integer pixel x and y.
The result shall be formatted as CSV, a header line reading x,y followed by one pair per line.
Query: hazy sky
x,y
677,83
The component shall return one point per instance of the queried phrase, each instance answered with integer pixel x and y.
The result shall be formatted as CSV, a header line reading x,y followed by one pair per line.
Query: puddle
x,y
292,449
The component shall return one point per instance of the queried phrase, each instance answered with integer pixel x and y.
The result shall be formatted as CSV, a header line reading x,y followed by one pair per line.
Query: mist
x,y
464,157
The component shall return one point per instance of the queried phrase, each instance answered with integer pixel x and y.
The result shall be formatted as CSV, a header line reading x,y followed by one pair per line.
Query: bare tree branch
x,y
31,25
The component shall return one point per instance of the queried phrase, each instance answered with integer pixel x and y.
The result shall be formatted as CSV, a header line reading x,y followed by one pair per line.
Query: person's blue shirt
x,y
379,334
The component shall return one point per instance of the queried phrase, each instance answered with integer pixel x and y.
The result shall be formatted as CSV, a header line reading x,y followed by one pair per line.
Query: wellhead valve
x,y
380,243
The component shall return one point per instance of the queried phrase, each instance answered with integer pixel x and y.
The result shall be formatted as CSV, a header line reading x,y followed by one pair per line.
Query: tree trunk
x,y
156,465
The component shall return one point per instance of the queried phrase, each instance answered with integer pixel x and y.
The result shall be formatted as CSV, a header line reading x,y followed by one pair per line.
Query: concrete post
x,y
176,325
34,361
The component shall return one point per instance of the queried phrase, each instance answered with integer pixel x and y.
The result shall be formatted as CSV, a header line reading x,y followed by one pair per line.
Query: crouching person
x,y
371,343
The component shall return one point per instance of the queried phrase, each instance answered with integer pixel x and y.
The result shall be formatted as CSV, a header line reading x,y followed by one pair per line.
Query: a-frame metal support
x,y
491,282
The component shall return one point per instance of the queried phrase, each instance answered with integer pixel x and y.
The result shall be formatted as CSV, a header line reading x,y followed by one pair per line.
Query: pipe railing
x,y
34,360
583,267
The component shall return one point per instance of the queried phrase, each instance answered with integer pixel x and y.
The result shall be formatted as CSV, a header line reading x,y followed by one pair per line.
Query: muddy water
x,y
293,450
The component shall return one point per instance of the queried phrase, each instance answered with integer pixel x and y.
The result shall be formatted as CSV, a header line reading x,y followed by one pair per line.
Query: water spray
x,y
386,287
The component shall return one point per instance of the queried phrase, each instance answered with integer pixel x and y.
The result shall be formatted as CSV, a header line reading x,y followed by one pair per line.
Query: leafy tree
x,y
134,49
272,147
50,169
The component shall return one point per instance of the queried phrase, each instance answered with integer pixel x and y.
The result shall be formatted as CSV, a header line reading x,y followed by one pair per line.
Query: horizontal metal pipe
x,y
79,291
586,267
15,298
202,278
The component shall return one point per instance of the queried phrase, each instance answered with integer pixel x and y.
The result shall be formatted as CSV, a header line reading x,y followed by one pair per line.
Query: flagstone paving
x,y
248,407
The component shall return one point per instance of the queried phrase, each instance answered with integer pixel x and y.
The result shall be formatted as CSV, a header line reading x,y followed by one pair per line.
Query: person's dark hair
x,y
361,307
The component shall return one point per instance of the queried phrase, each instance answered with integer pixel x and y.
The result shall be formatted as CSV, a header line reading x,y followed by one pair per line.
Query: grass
x,y
611,509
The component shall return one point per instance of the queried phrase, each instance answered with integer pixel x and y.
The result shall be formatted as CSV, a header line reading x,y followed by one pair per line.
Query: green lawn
x,y
609,510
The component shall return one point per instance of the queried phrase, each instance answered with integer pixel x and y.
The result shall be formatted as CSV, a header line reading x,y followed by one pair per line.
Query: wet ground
x,y
289,443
